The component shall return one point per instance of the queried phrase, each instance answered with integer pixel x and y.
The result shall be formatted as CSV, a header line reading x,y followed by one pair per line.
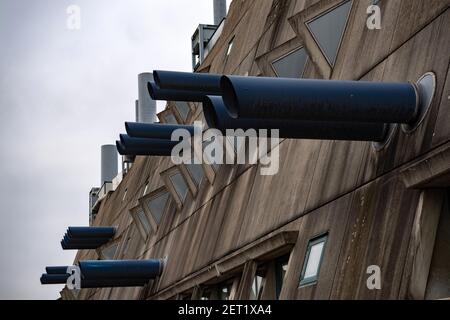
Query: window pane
x,y
292,65
170,119
256,291
329,28
224,292
157,206
143,220
312,266
183,109
196,172
179,185
109,252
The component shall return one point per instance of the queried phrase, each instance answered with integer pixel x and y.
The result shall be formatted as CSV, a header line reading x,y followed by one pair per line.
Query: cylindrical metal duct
x,y
91,232
319,100
121,269
217,116
56,270
133,150
220,11
73,242
155,130
80,246
109,163
113,283
146,105
174,95
205,83
54,278
145,147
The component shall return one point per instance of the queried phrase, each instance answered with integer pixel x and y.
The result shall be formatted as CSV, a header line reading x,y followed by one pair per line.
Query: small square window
x,y
142,221
196,172
180,185
291,65
157,206
183,109
313,260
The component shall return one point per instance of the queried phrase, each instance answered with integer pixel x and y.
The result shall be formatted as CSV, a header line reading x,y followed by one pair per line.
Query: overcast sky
x,y
64,93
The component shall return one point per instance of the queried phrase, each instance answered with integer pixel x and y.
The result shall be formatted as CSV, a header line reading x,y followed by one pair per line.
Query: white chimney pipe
x,y
220,11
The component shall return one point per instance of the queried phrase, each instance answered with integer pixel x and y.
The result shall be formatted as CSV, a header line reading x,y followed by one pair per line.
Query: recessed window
x,y
183,109
225,291
170,119
291,65
230,47
145,189
258,284
109,252
143,220
328,30
180,185
157,206
313,260
281,266
196,172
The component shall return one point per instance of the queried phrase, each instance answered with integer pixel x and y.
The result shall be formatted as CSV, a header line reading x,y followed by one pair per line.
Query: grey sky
x,y
63,94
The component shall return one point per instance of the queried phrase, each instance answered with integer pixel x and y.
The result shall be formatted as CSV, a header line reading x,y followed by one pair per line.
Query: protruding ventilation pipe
x,y
91,232
87,237
56,270
121,269
54,278
205,83
174,95
144,147
155,130
108,273
220,11
146,106
320,100
217,116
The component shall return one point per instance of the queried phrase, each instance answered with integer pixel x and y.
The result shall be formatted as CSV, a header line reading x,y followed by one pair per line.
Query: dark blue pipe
x,y
56,270
205,83
174,95
104,283
54,278
145,147
87,246
319,100
113,283
91,232
120,269
154,130
85,240
217,116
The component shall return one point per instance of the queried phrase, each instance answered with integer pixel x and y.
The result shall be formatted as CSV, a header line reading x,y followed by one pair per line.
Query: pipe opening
x,y
229,97
381,144
152,88
209,113
425,91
